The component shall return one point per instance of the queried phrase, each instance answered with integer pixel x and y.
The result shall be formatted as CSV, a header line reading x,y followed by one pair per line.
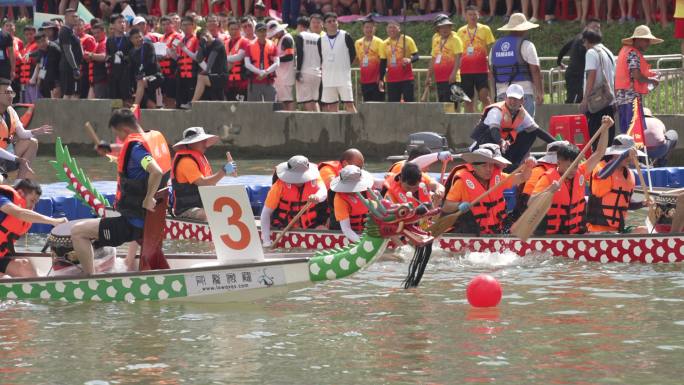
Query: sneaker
x,y
488,19
185,106
533,20
551,21
622,20
506,18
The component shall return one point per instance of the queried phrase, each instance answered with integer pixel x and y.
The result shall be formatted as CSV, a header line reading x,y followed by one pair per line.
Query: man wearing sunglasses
x,y
18,146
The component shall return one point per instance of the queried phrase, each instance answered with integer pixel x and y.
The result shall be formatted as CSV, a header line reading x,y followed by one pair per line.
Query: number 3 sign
x,y
232,223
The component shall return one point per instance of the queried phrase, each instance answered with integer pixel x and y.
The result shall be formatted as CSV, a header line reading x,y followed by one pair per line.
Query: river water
x,y
560,322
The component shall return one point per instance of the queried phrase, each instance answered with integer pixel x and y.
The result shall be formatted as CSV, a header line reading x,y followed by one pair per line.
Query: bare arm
x,y
591,79
29,215
535,71
454,72
153,180
595,158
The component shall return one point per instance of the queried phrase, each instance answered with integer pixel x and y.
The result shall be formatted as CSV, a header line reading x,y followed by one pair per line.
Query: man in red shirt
x,y
89,44
97,68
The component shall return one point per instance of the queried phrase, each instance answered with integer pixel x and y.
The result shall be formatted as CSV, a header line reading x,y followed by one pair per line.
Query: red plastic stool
x,y
573,128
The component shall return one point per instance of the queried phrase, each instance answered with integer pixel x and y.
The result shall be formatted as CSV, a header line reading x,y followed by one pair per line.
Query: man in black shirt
x,y
72,56
7,58
574,72
46,72
146,70
214,73
118,49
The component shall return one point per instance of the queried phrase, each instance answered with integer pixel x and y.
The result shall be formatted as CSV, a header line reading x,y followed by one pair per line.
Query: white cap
x,y
515,91
138,19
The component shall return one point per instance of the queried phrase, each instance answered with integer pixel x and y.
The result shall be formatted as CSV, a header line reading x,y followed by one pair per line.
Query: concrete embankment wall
x,y
256,130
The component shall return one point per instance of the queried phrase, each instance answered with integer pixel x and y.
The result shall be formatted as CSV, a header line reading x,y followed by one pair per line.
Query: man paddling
x,y
142,168
350,211
482,171
296,184
191,169
566,215
412,186
16,217
330,169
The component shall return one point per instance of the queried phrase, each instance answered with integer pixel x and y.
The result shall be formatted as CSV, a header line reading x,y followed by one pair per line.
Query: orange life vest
x,y
292,199
18,46
25,118
623,78
165,64
25,66
186,66
255,55
130,193
235,74
566,215
398,195
509,124
357,215
186,195
11,228
490,212
335,165
7,133
611,209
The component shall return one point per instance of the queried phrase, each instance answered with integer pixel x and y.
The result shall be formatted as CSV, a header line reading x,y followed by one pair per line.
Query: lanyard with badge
x,y
331,42
442,43
393,48
118,55
366,49
142,54
42,72
471,49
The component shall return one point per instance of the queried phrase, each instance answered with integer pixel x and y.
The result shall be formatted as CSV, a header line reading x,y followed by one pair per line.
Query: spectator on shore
x,y
118,49
88,45
679,23
285,73
308,73
18,46
447,51
514,60
72,56
7,56
337,52
187,66
262,61
399,53
27,66
574,72
167,62
477,40
212,79
237,47
247,24
659,140
97,68
633,75
368,52
599,73
47,73
146,71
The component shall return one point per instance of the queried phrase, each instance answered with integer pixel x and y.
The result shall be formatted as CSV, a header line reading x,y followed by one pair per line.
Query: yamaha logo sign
x,y
505,46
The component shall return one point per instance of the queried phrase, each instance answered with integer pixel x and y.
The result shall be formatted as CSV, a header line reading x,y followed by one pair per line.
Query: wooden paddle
x,y
426,94
536,211
651,219
91,132
289,225
446,222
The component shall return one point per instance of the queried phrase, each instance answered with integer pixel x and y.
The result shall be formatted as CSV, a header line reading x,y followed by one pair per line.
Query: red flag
x,y
638,123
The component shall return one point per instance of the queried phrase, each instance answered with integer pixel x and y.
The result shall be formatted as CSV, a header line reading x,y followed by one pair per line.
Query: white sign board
x,y
232,223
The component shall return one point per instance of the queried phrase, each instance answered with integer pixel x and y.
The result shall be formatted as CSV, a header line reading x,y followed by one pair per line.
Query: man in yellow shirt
x,y
446,59
399,53
190,170
477,41
368,51
679,22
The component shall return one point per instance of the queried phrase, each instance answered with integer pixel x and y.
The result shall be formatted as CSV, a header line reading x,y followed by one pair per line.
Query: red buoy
x,y
484,291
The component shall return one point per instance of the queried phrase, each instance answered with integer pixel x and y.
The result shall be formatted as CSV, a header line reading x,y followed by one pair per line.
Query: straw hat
x,y
486,153
642,32
621,144
352,179
297,170
518,22
551,148
194,135
273,28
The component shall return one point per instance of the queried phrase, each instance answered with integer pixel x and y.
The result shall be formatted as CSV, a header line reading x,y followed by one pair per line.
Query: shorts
x,y
115,231
284,92
169,87
4,262
308,89
338,94
474,82
678,28
7,166
371,93
444,92
261,92
100,90
67,83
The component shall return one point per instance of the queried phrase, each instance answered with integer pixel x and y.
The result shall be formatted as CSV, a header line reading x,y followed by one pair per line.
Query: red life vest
x,y
611,209
89,45
623,78
18,46
165,64
100,47
11,228
292,199
566,215
398,195
7,133
233,47
130,193
26,66
335,165
357,215
186,66
255,55
508,123
186,195
490,211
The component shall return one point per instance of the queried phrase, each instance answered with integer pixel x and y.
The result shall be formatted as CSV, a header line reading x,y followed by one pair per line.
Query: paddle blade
x,y
151,254
532,217
443,224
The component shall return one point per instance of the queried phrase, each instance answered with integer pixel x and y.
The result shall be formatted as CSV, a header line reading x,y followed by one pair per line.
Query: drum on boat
x,y
65,261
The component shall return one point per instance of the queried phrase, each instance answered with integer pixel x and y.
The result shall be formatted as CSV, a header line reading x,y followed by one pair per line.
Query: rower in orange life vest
x,y
612,184
143,166
18,146
423,157
411,185
16,217
190,170
350,211
482,171
566,215
330,169
296,182
510,126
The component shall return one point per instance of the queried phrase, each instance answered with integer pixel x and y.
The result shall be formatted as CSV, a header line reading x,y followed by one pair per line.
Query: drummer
x,y
190,170
16,217
612,184
296,182
350,211
482,171
142,165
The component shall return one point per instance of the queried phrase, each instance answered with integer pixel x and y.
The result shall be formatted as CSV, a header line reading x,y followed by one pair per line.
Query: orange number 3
x,y
233,220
